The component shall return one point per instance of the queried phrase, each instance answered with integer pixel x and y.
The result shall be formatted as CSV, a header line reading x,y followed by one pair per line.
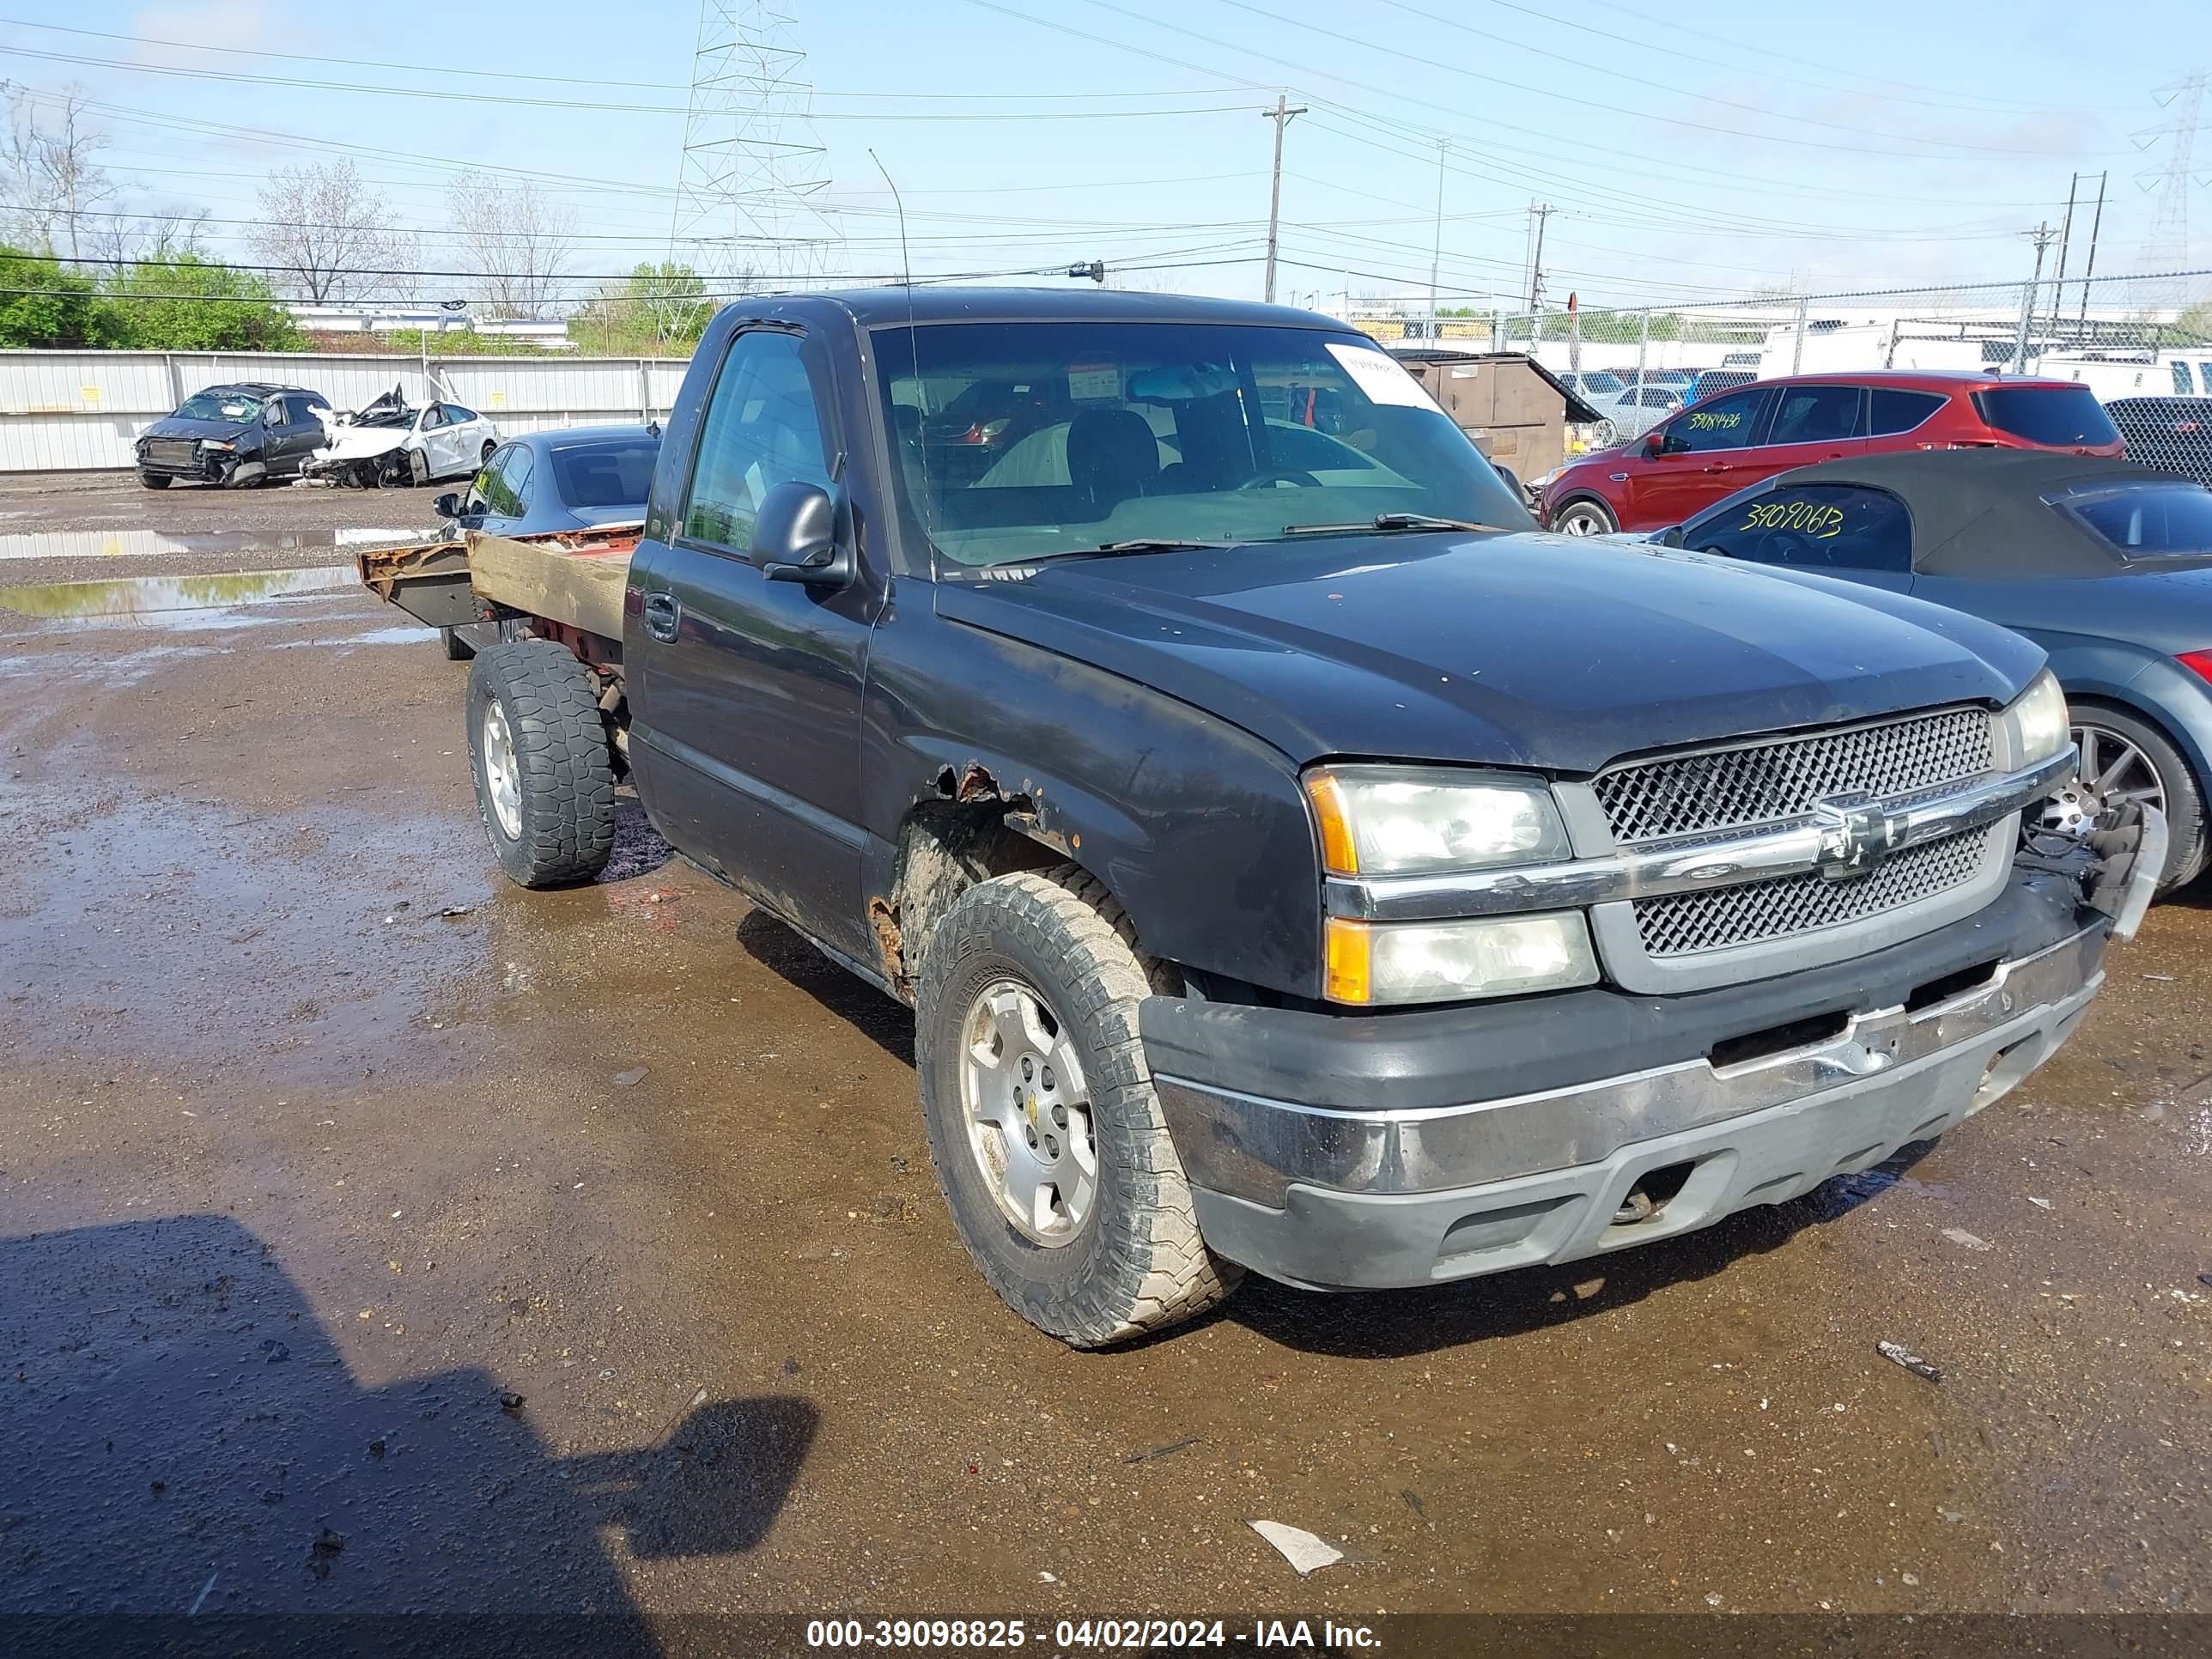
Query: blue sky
x,y
1704,149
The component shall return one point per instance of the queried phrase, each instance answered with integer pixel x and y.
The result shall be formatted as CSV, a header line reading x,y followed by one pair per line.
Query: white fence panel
x,y
82,410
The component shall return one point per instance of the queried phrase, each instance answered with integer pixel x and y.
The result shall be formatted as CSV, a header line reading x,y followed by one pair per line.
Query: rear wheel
x,y
1584,516
457,648
2126,757
1046,1134
484,458
542,765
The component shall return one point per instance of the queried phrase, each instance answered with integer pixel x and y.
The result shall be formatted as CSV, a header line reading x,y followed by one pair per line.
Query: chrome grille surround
x,y
1775,779
1675,925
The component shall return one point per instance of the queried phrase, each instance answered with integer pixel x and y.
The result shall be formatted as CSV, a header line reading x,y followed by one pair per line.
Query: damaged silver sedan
x,y
391,442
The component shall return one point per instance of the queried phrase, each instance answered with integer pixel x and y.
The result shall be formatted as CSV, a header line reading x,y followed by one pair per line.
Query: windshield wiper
x,y
1386,521
1140,544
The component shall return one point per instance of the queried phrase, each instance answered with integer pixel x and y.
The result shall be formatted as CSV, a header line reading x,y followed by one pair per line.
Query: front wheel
x,y
543,767
1043,1124
1585,517
2125,758
155,480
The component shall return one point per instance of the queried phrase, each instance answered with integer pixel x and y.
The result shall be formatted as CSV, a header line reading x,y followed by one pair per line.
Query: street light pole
x,y
1281,115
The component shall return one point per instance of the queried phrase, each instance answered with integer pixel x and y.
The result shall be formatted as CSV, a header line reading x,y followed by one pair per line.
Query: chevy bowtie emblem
x,y
1855,834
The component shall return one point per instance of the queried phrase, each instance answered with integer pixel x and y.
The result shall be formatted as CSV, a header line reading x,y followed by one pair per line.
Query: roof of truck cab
x,y
874,307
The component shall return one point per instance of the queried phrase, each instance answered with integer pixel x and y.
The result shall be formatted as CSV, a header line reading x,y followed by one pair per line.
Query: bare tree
x,y
516,239
162,233
327,234
50,154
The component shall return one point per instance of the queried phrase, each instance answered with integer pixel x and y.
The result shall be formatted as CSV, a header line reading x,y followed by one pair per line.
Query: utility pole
x,y
1281,116
1538,212
2044,236
1437,256
2065,233
2096,224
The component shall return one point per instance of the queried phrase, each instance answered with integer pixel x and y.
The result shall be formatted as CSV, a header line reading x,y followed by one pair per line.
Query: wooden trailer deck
x,y
572,577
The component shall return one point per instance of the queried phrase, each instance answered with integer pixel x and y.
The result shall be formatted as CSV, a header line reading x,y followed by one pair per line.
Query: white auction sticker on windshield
x,y
1380,376
1093,382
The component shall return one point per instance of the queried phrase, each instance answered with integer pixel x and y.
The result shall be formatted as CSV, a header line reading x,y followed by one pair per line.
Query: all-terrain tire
x,y
563,764
1138,1263
155,480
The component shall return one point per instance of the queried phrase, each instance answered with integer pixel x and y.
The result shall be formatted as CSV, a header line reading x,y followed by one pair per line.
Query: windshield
x,y
239,408
2151,520
618,472
2063,416
1022,440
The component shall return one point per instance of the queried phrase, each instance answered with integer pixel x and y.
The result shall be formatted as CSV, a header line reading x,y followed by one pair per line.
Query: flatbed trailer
x,y
563,585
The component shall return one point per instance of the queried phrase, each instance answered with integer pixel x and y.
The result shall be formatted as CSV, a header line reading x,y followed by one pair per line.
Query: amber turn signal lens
x,y
1350,961
1339,855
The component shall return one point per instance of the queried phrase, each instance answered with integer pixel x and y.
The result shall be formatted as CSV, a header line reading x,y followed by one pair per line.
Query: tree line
x,y
77,269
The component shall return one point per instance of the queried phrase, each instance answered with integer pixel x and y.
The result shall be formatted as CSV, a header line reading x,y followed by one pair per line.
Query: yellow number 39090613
x,y
1811,518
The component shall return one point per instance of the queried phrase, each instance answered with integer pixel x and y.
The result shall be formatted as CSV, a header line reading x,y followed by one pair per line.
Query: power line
x,y
1399,93
238,76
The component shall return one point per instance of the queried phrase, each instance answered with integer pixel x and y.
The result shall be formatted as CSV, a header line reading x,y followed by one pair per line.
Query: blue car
x,y
570,479
2105,564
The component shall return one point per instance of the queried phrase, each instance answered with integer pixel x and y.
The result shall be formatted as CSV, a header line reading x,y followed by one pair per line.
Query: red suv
x,y
1716,447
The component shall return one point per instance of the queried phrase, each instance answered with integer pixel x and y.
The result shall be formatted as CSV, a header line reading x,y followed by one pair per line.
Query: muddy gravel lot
x,y
375,1235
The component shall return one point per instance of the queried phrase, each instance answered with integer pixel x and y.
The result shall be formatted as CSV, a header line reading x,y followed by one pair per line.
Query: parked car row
x,y
1715,446
255,433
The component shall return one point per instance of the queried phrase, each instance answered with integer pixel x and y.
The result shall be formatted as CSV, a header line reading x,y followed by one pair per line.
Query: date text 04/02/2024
x,y
1087,1634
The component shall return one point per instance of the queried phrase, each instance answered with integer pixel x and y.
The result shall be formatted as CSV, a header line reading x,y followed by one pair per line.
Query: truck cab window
x,y
763,429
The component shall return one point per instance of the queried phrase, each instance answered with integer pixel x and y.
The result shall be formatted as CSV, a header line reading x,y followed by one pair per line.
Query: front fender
x,y
1198,828
2147,684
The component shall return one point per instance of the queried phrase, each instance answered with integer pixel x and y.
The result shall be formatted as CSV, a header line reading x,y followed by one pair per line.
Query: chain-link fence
x,y
2143,344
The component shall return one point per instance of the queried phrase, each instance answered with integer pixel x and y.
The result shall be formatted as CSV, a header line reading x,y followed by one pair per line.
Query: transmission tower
x,y
749,207
2165,244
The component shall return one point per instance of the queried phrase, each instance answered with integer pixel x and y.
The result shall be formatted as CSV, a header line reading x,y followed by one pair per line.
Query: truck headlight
x,y
1421,820
217,443
2040,725
1374,963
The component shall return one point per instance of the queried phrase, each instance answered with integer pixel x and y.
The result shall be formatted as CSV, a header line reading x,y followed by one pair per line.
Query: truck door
x,y
746,693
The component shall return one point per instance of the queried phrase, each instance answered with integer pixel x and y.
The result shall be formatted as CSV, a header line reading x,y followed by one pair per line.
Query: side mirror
x,y
1654,443
448,506
795,537
1670,537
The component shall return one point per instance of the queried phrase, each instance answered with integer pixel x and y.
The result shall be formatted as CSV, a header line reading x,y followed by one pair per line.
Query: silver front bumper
x,y
1256,1148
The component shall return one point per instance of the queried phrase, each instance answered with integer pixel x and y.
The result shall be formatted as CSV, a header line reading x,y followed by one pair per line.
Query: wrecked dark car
x,y
234,436
1296,861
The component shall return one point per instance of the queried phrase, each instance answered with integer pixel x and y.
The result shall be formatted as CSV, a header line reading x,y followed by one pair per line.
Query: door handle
x,y
1720,466
662,615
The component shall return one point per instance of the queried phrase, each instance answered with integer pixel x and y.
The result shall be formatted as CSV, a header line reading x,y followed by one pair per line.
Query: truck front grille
x,y
171,451
1774,780
1722,918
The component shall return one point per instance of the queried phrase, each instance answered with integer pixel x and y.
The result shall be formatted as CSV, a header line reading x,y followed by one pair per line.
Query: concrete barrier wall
x,y
82,411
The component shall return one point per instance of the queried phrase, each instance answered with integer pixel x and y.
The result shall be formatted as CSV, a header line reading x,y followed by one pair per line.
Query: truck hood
x,y
1518,649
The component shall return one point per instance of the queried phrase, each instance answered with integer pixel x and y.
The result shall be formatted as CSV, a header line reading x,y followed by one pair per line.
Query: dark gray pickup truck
x,y
1295,861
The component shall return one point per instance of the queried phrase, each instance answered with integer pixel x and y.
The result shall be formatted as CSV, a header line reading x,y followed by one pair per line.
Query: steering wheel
x,y
1792,547
1291,475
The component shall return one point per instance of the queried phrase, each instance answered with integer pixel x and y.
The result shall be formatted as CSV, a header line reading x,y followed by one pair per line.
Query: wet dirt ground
x,y
375,1235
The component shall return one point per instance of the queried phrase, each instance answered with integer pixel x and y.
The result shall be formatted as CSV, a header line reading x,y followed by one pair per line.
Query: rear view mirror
x,y
795,537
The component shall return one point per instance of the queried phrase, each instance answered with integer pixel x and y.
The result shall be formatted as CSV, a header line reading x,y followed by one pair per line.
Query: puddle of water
x,y
391,634
145,544
171,602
